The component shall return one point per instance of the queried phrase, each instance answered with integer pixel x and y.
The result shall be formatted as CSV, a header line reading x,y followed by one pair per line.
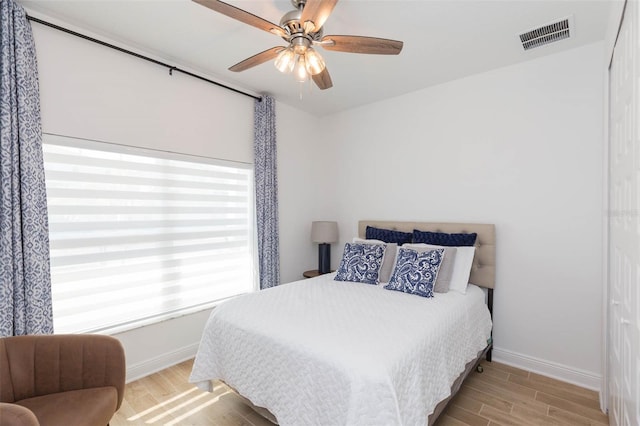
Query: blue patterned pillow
x,y
388,235
415,273
361,263
444,239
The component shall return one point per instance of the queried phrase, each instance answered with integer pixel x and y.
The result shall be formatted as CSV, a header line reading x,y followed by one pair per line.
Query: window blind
x,y
140,234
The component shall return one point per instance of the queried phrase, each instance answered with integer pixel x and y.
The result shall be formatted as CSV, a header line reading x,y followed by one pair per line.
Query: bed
x,y
325,352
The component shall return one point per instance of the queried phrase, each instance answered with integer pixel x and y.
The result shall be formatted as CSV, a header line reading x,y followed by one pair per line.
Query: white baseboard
x,y
155,364
550,369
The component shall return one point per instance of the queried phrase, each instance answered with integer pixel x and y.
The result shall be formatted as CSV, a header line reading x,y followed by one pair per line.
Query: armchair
x,y
64,380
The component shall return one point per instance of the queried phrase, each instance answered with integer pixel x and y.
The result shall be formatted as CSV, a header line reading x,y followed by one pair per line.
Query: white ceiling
x,y
443,40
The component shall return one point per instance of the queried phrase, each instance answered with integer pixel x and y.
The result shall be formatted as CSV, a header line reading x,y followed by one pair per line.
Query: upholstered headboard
x,y
483,271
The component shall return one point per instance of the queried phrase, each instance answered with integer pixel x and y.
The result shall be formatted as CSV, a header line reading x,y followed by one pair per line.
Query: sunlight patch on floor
x,y
178,419
176,408
160,405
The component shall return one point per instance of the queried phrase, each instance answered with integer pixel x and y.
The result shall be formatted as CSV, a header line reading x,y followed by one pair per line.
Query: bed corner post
x,y
490,305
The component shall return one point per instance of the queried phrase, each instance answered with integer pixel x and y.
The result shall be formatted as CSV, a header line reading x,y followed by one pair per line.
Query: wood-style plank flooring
x,y
502,395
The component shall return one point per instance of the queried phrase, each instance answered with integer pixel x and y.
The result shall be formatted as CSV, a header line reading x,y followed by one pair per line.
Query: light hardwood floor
x,y
502,395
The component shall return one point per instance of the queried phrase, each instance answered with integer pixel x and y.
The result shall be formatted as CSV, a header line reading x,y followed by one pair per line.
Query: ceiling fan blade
x,y
242,16
323,80
359,44
316,12
257,59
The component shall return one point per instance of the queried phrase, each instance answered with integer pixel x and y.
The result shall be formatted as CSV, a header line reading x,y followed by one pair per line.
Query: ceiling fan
x,y
302,29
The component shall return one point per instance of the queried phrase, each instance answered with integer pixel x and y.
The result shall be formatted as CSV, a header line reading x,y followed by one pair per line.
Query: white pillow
x,y
388,261
461,267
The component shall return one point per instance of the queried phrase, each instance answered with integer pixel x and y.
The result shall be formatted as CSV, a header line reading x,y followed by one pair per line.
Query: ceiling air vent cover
x,y
547,34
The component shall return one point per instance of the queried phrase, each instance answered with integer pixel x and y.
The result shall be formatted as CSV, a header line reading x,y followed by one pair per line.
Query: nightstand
x,y
312,273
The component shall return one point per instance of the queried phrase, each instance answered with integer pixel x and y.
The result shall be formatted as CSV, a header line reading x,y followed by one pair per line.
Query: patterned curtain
x,y
25,283
266,175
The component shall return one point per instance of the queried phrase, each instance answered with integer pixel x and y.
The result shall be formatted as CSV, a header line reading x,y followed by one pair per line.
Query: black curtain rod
x,y
137,55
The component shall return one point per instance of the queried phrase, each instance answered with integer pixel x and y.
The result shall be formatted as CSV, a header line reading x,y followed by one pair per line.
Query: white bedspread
x,y
322,352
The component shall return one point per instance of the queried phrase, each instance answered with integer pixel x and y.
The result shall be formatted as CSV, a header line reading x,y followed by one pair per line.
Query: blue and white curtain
x,y
25,283
266,176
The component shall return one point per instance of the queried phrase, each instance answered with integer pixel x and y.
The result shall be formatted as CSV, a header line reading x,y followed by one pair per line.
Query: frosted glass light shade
x,y
324,232
285,60
313,62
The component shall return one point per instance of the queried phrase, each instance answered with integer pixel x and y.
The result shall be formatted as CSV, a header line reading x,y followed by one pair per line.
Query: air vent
x,y
550,33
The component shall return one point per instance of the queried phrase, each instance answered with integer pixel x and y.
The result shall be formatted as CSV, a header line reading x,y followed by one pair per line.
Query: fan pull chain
x,y
301,87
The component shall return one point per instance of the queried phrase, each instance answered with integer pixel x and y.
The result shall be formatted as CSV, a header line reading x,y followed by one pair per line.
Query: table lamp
x,y
324,233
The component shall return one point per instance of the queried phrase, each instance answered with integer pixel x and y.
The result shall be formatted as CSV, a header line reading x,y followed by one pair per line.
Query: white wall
x,y
93,92
520,147
302,192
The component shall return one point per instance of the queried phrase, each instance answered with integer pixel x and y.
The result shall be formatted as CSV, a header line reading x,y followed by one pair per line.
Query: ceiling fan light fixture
x,y
300,70
285,60
313,62
301,28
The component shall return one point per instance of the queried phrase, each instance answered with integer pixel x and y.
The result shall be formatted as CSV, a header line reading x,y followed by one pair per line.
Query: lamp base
x,y
324,258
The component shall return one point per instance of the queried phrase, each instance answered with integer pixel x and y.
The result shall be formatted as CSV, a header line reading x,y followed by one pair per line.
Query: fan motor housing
x,y
290,22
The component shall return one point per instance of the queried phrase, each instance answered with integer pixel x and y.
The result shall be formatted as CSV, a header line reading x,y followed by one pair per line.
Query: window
x,y
140,235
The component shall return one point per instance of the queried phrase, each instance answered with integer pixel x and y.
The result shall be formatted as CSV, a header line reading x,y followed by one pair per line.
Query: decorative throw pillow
x,y
389,257
444,239
388,235
443,281
415,273
361,263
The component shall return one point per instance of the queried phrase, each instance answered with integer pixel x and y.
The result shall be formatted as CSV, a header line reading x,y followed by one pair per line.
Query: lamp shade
x,y
324,232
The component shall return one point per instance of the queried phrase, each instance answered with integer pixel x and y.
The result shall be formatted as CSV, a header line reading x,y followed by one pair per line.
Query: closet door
x,y
624,224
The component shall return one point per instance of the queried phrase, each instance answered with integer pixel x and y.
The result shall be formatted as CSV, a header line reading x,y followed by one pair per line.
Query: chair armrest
x,y
16,415
45,364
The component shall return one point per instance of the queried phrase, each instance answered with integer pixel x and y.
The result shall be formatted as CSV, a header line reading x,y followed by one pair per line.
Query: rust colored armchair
x,y
64,380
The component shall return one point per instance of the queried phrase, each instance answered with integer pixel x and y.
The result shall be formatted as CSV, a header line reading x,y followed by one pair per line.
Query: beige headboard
x,y
483,271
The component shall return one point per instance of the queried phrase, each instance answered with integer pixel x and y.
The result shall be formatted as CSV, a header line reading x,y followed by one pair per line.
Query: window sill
x,y
145,322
